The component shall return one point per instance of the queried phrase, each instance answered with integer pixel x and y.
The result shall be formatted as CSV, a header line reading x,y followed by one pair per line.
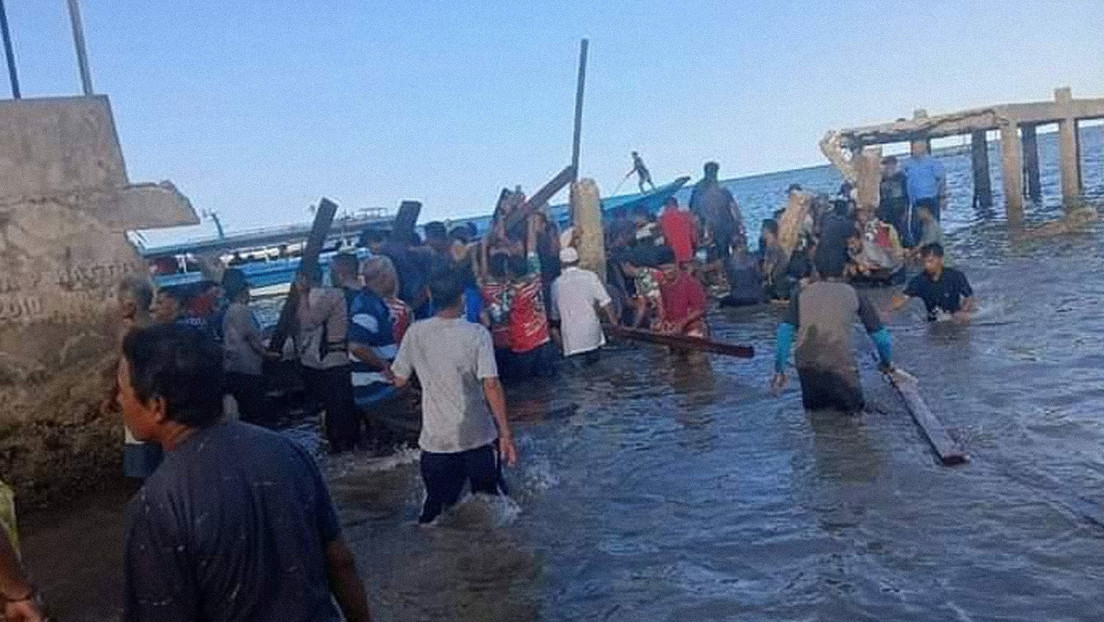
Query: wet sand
x,y
680,488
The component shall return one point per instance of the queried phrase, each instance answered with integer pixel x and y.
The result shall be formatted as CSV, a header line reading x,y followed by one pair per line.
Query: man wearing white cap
x,y
576,296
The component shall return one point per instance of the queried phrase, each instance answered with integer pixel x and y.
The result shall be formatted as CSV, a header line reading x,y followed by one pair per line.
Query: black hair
x,y
665,255
415,239
829,263
778,213
345,262
671,200
181,365
436,230
794,188
935,249
234,282
461,234
712,168
498,264
371,236
771,225
889,160
445,288
642,210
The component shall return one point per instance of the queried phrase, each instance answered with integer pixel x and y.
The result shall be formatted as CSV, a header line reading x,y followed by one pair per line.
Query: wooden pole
x,y
1031,162
579,109
78,43
586,217
979,158
308,264
945,447
685,342
9,52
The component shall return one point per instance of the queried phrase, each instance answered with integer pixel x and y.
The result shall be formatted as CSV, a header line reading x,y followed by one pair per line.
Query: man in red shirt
x,y
680,232
683,299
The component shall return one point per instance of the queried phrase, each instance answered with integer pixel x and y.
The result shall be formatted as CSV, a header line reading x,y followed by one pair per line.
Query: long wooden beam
x,y
323,218
946,448
540,197
685,342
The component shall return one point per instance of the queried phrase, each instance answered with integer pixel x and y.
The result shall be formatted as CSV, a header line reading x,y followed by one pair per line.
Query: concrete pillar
x,y
586,216
1012,172
868,187
1031,162
920,113
979,158
1067,150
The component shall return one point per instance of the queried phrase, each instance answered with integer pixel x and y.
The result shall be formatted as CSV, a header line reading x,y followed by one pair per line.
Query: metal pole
x,y
13,75
78,42
579,108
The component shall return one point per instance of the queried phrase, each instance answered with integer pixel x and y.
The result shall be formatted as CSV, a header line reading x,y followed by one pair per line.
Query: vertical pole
x,y
1067,147
586,215
1012,172
13,75
579,108
78,42
979,158
1031,162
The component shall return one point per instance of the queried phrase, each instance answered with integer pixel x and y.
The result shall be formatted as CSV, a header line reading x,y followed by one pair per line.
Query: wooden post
x,y
9,52
586,216
1012,173
1031,162
979,158
579,108
1067,148
78,43
868,166
323,218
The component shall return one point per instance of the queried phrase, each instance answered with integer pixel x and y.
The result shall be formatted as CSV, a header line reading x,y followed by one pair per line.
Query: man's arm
x,y
401,368
868,315
345,584
496,399
20,602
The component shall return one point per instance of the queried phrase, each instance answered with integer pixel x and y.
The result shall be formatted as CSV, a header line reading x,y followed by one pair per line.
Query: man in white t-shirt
x,y
577,294
463,403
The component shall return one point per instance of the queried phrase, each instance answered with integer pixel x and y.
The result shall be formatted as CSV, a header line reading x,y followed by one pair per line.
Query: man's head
x,y
446,289
235,285
437,236
671,204
919,148
167,305
344,268
170,377
829,265
924,212
461,234
793,188
380,276
135,297
889,165
770,232
932,256
635,154
569,256
373,240
641,215
711,170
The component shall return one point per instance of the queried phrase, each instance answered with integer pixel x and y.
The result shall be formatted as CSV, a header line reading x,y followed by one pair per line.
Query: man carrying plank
x,y
822,314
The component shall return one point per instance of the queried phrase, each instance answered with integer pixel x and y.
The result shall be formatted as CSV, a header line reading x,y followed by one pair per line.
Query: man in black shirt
x,y
236,524
942,289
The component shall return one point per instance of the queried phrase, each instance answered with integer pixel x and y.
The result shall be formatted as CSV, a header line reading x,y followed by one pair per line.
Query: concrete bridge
x,y
1017,124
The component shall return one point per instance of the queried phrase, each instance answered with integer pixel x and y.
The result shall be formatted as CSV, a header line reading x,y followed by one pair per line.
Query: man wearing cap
x,y
576,296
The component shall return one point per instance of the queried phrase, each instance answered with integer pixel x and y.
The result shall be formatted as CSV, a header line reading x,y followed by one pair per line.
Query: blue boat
x,y
282,271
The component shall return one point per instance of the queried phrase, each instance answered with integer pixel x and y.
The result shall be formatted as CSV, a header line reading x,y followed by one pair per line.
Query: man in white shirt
x,y
576,296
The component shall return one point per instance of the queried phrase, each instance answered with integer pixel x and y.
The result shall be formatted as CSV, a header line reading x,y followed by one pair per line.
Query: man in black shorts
x,y
941,288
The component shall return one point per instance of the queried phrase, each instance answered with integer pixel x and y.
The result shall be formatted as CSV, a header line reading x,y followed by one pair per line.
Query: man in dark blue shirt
x,y
237,523
943,289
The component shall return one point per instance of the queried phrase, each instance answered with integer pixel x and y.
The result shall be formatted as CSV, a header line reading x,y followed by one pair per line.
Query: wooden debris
x,y
684,342
946,448
323,218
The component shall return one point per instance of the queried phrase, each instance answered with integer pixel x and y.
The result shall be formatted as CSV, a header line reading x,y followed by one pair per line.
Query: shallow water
x,y
658,487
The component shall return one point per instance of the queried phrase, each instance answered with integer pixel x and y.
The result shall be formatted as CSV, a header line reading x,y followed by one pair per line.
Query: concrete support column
x,y
586,216
868,167
979,158
1068,149
1031,162
1012,172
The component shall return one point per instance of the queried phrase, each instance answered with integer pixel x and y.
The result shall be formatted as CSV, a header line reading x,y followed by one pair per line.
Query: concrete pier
x,y
1009,119
586,216
1012,172
1031,162
979,159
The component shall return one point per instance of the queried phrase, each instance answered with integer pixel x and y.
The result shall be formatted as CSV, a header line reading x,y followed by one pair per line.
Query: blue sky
x,y
257,108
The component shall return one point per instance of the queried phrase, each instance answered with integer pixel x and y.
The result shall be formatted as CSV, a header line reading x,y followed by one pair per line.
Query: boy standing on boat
x,y
642,174
465,433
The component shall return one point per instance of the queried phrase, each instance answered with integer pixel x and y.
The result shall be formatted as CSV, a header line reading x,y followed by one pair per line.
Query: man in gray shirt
x,y
463,404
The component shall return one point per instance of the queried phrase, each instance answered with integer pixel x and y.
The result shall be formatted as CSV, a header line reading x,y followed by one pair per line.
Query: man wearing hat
x,y
577,294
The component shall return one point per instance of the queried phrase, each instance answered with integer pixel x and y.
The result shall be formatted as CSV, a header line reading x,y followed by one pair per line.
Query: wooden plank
x,y
683,341
542,196
946,448
323,218
403,228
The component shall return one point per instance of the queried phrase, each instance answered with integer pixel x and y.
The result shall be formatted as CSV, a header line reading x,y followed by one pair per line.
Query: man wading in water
x,y
822,315
463,404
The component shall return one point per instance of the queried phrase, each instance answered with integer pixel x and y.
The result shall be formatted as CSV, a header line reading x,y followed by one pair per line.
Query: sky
x,y
256,109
